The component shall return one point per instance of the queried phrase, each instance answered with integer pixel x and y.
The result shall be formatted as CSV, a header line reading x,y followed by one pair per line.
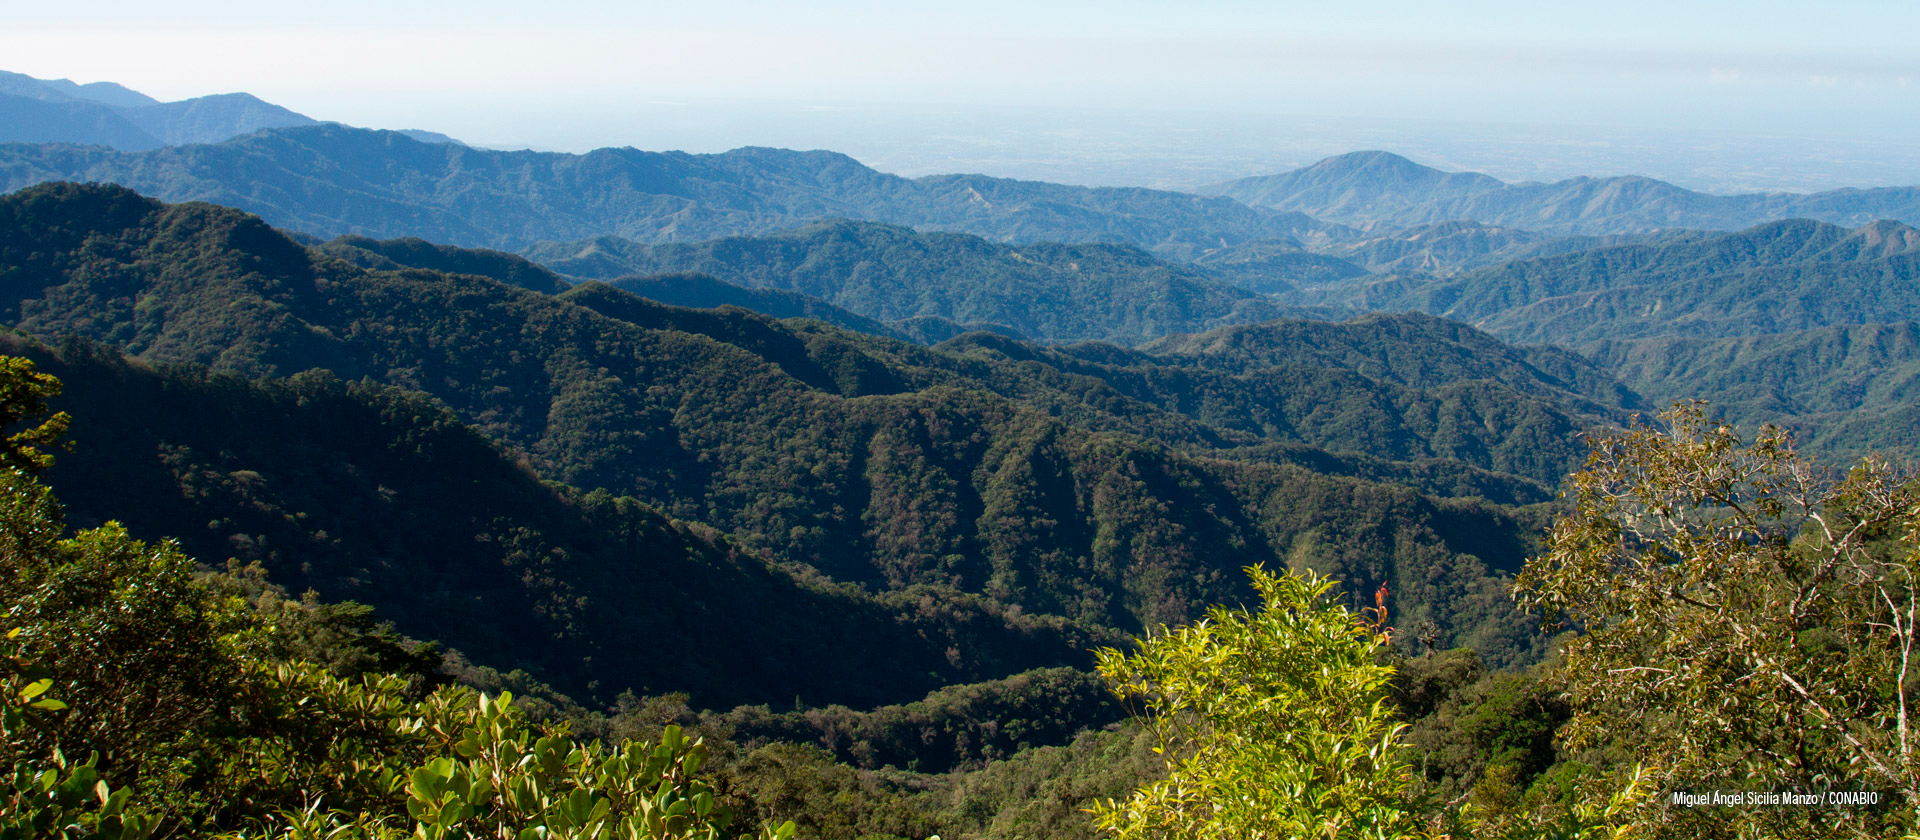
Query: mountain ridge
x,y
332,180
100,112
1361,187
893,273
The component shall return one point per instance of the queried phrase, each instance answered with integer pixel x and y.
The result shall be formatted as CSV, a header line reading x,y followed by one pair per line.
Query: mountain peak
x,y
1373,160
1886,238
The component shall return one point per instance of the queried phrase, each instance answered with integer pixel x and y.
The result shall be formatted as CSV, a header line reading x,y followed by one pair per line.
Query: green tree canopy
x,y
1274,721
1748,622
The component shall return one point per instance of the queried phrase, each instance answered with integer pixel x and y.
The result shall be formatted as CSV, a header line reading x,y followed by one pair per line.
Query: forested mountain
x,y
1414,351
1777,277
1844,389
1367,186
59,111
1444,249
1114,494
703,291
410,252
1276,268
1364,187
377,494
891,273
331,180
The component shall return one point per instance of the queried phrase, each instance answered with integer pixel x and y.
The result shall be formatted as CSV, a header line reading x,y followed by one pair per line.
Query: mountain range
x,y
1772,278
60,111
331,180
1099,489
1380,187
892,273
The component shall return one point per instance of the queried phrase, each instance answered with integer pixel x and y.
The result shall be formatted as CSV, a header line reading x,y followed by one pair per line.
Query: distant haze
x,y
1718,96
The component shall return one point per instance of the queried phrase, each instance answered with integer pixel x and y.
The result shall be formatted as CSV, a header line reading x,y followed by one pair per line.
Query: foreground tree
x,y
1748,623
1274,722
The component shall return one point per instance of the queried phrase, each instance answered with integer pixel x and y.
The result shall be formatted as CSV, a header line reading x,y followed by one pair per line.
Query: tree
x,y
24,392
1275,723
1748,620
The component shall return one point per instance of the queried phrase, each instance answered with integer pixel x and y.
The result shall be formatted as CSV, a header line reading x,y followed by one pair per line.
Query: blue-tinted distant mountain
x,y
428,136
107,114
1772,278
892,273
25,119
333,180
1444,249
211,119
105,93
1366,187
1277,268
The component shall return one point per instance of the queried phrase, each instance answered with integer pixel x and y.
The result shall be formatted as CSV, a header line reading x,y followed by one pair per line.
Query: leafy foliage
x,y
1749,621
1275,723
192,723
23,397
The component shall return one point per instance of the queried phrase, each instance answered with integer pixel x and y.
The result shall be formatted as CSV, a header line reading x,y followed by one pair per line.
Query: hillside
x,y
1778,277
1365,187
1276,268
391,254
891,273
377,494
702,291
59,111
1845,390
1008,475
1444,249
331,180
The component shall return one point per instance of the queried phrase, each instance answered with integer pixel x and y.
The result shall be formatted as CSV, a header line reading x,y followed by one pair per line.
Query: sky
x,y
1083,82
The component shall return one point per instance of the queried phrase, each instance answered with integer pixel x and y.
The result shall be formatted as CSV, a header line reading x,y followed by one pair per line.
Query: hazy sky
x,y
574,75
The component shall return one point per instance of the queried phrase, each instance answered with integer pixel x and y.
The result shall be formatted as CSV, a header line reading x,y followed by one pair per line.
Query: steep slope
x,y
1364,187
1845,390
935,476
380,495
1777,277
892,273
331,180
